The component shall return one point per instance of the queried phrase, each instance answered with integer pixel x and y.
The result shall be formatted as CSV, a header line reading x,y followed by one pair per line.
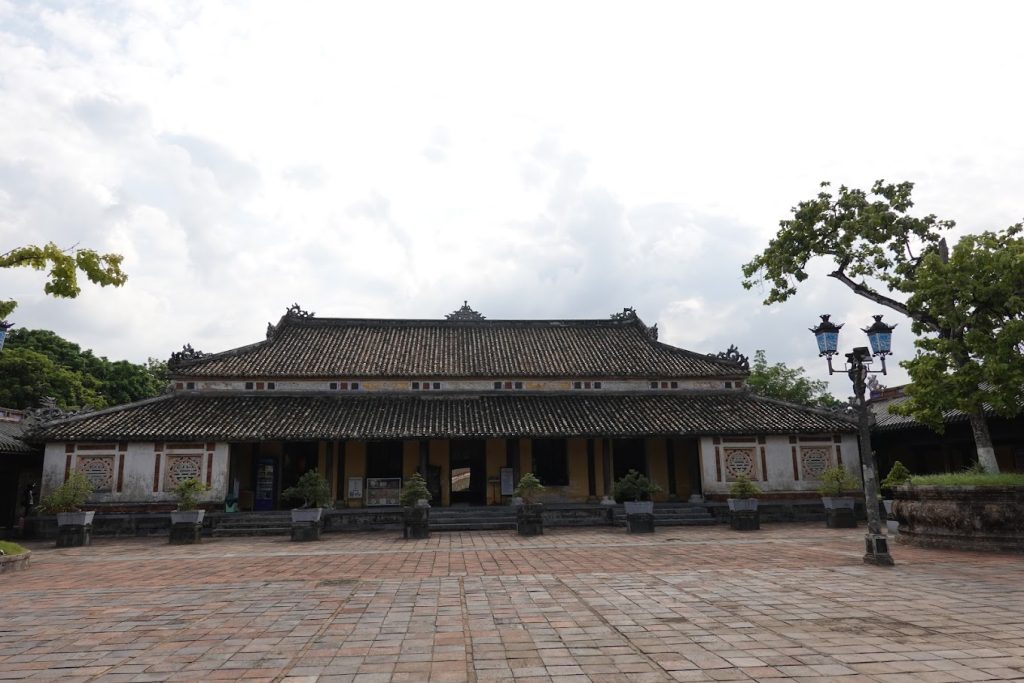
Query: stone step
x,y
251,531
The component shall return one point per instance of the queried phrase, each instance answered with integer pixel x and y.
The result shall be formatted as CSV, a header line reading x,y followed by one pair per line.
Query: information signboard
x,y
355,487
383,491
508,486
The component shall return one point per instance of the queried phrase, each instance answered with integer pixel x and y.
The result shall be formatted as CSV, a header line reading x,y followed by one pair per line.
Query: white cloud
x,y
539,160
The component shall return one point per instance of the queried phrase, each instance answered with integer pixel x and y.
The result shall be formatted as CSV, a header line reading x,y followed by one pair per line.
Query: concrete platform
x,y
790,602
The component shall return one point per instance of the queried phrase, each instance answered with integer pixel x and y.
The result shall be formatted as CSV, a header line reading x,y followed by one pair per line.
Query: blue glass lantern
x,y
4,326
827,334
880,337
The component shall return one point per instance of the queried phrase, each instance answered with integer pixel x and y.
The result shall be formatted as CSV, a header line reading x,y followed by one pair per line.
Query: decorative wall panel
x,y
181,468
814,460
99,470
739,462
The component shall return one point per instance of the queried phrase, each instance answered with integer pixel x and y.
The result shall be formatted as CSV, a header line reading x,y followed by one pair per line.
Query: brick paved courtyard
x,y
687,604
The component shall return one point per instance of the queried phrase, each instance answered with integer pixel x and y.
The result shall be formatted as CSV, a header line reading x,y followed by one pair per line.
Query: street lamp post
x,y
4,327
858,365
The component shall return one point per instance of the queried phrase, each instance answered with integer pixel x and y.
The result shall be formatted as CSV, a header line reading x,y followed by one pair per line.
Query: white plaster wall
x,y
137,485
475,385
779,461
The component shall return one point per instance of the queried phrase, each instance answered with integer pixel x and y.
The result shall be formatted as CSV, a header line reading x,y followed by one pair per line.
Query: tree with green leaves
x,y
64,266
39,363
788,384
879,251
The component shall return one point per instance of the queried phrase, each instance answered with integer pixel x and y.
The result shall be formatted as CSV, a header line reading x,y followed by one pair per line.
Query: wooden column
x,y
424,457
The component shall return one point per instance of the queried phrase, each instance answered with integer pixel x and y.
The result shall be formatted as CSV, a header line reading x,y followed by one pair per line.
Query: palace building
x,y
471,403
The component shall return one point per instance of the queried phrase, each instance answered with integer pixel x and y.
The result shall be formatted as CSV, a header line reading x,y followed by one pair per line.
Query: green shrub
x,y
414,490
743,488
529,488
11,548
635,486
899,474
835,481
188,493
69,496
968,478
313,489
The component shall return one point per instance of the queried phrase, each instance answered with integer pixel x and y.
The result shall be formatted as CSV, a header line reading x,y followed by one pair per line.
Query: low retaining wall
x,y
799,510
961,517
13,563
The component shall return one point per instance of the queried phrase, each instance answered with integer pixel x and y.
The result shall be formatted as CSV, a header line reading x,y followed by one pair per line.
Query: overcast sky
x,y
542,160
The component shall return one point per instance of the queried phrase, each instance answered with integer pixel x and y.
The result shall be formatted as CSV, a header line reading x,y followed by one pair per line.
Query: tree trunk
x,y
983,440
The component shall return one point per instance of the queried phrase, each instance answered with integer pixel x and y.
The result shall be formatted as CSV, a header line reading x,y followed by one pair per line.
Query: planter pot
x,y
639,507
742,504
530,519
887,504
961,517
75,518
187,516
416,521
838,502
74,529
306,515
892,526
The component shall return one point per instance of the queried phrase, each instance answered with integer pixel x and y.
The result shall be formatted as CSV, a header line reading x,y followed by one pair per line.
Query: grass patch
x,y
969,478
11,548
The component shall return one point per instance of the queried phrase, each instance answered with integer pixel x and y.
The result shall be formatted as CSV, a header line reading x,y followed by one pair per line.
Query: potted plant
x,y
187,520
315,492
530,513
635,491
415,499
743,514
74,525
188,501
835,481
897,476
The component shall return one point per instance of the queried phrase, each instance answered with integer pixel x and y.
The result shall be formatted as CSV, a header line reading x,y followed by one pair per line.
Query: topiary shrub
x,y
898,475
188,493
835,481
635,486
414,490
743,488
529,488
69,496
312,488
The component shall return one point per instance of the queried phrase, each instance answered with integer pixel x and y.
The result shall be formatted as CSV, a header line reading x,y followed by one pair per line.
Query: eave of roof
x,y
251,417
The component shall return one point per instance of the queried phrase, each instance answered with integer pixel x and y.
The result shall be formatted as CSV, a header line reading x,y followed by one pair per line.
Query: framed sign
x,y
508,486
383,491
355,487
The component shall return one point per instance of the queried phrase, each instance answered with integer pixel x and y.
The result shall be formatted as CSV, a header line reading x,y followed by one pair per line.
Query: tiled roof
x,y
886,421
362,348
10,438
247,417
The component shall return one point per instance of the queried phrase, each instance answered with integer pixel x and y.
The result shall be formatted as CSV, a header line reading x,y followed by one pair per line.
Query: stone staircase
x,y
472,518
275,523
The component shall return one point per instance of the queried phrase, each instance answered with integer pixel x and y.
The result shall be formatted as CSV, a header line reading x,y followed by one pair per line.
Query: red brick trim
x,y
97,447
792,438
209,468
764,465
69,448
718,464
185,446
120,471
210,446
796,464
156,472
839,455
762,439
158,446
838,438
67,466
716,440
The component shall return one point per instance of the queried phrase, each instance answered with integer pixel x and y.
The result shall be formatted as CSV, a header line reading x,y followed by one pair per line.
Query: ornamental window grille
x,y
814,460
182,468
99,470
739,461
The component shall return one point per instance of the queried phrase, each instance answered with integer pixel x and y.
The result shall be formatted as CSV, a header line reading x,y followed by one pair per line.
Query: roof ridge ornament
x,y
733,355
463,313
628,313
186,354
49,411
296,311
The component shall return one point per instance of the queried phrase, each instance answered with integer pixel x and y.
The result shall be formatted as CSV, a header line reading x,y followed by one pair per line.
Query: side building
x,y
470,403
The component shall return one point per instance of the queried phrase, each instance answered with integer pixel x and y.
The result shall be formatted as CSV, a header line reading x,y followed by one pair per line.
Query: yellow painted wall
x,y
657,466
410,458
578,488
686,453
495,450
525,457
439,457
355,466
